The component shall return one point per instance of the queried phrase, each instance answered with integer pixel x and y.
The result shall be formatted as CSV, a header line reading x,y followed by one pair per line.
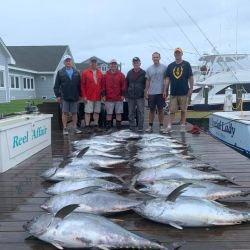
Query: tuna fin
x,y
64,163
173,224
31,237
53,173
66,210
82,152
120,178
177,192
133,182
57,244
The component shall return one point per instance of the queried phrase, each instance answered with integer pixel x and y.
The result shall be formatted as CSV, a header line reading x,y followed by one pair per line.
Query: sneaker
x,y
149,129
77,131
65,131
161,130
140,130
167,130
183,128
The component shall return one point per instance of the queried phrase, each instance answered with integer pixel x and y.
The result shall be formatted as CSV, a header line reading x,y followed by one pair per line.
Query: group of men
x,y
113,87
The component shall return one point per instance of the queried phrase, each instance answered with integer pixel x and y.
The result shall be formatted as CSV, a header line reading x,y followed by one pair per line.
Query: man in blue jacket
x,y
67,90
136,82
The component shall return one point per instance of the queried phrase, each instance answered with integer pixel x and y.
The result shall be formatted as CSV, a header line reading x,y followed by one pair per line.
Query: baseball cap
x,y
113,61
136,59
178,50
67,57
92,59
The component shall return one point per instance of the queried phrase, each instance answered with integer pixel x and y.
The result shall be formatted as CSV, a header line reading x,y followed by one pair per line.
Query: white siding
x,y
4,94
44,85
22,93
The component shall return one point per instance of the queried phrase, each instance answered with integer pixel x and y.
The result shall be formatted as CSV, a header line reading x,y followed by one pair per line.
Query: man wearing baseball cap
x,y
113,93
91,86
180,78
136,82
68,91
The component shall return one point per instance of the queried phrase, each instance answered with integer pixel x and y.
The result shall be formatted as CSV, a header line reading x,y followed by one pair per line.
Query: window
x,y
31,83
14,82
24,83
1,79
104,68
196,90
28,83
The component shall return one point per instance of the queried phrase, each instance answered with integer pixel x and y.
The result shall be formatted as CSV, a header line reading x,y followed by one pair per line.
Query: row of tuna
x,y
167,187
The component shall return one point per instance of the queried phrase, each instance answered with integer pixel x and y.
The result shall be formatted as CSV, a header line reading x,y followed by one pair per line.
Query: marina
x,y
22,193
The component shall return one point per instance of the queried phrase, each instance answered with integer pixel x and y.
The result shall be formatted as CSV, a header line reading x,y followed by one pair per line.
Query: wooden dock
x,y
22,192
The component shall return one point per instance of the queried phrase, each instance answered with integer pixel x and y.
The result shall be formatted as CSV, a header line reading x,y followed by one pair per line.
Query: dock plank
x,y
22,193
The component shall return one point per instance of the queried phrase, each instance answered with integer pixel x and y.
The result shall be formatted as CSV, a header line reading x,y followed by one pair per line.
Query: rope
x,y
239,105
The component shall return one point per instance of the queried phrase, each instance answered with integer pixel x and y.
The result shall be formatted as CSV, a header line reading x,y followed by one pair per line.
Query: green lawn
x,y
17,105
197,114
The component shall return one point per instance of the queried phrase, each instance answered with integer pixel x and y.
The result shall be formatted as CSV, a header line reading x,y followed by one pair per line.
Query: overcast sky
x,y
122,29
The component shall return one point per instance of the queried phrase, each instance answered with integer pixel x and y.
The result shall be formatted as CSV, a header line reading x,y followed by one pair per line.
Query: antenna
x,y
183,32
215,50
199,28
236,32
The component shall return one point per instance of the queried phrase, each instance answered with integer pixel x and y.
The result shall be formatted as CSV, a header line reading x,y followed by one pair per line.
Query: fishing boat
x,y
217,73
232,128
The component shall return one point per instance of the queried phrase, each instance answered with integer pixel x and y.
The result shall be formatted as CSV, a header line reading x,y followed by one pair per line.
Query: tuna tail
x,y
173,246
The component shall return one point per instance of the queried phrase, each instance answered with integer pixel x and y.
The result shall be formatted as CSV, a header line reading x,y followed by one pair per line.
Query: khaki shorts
x,y
91,107
178,102
110,106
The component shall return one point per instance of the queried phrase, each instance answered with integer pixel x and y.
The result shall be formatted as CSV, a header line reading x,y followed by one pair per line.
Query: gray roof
x,y
38,58
85,64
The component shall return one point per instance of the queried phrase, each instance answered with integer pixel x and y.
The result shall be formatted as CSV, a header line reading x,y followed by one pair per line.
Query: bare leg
x,y
96,118
118,116
151,116
87,119
161,116
108,117
171,119
64,119
74,119
183,117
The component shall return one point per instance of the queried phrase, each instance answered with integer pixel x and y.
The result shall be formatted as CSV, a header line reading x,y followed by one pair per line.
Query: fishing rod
x,y
203,33
183,32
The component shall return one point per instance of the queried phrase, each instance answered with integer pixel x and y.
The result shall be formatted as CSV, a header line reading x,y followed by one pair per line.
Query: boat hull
x,y
232,128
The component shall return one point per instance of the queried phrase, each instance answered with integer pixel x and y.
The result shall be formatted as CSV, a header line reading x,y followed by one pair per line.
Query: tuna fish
x,y
75,172
200,189
83,230
90,201
163,172
71,185
145,155
99,160
190,212
168,161
163,144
